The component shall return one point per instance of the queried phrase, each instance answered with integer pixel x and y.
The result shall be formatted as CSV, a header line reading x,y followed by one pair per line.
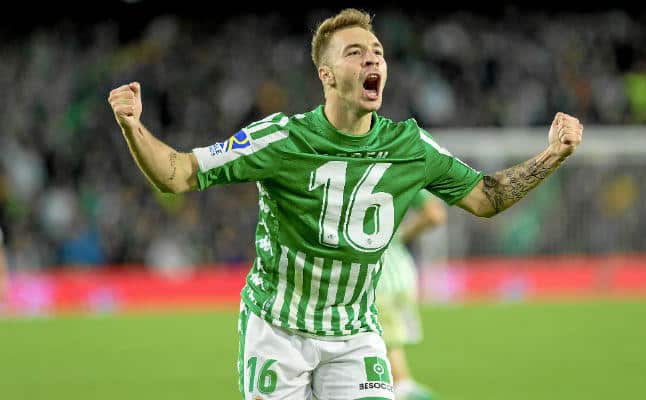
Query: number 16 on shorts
x,y
262,378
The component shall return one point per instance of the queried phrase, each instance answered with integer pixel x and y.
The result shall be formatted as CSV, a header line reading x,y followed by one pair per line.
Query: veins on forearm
x,y
172,158
508,186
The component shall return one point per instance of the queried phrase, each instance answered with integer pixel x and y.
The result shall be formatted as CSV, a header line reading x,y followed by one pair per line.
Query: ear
x,y
326,75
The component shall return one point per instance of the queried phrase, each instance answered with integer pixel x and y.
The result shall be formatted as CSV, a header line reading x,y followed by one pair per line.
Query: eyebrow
x,y
374,44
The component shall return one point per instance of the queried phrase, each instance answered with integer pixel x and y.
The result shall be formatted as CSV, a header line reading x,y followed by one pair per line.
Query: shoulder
x,y
270,122
406,133
278,130
272,128
408,126
423,136
276,122
416,135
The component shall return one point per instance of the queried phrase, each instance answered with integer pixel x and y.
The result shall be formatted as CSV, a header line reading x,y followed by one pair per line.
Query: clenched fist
x,y
565,134
126,104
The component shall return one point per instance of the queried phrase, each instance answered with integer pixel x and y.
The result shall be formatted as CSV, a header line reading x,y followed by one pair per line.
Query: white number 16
x,y
331,176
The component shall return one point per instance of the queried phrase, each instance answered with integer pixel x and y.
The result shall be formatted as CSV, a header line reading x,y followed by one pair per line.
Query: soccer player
x,y
397,294
333,185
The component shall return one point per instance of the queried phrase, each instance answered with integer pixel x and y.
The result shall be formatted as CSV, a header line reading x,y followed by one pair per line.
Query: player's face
x,y
356,59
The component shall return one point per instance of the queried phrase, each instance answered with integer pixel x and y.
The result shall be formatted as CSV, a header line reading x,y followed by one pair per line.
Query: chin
x,y
370,105
373,105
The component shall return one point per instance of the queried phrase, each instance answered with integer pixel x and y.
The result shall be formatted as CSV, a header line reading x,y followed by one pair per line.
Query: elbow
x,y
179,187
176,189
168,188
441,216
434,213
436,218
485,209
487,213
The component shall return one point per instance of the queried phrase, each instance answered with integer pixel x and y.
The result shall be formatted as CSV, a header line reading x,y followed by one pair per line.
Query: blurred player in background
x,y
334,184
397,294
4,274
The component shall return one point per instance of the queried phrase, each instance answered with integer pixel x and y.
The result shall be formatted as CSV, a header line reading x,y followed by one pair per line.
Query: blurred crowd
x,y
70,193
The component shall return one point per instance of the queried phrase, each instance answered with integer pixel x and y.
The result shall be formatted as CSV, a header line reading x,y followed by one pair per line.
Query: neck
x,y
346,119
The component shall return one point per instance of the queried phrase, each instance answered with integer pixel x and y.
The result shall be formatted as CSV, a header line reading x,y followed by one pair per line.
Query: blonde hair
x,y
348,18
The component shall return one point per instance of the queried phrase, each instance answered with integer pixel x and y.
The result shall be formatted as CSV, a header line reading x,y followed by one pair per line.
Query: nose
x,y
371,58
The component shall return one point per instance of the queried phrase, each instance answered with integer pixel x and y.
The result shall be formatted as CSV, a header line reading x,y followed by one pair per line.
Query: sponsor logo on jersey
x,y
238,141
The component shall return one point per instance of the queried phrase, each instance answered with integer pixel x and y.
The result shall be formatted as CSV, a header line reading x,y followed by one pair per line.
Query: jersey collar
x,y
329,130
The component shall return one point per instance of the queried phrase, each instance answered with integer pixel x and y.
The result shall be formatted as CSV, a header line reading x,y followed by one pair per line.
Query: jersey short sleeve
x,y
449,178
252,154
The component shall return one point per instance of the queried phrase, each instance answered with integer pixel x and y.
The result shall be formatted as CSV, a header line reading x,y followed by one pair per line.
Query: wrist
x,y
551,155
130,127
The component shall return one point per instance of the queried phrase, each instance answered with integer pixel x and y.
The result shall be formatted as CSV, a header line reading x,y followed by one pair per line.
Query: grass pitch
x,y
592,350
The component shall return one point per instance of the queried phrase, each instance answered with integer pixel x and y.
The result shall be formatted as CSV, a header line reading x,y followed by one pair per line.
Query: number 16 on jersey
x,y
363,205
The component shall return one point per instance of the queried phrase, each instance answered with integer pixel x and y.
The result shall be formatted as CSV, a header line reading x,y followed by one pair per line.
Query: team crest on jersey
x,y
238,141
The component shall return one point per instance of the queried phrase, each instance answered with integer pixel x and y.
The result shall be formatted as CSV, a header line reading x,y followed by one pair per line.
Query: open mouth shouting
x,y
372,85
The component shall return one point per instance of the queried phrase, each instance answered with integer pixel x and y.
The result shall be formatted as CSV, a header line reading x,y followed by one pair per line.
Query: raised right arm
x,y
167,169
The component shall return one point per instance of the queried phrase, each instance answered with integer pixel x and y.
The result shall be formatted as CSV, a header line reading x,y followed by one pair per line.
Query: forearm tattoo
x,y
506,187
173,165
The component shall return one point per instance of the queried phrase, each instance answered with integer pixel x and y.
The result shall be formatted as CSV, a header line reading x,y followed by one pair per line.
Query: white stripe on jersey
x,y
356,324
282,283
432,142
317,270
283,121
349,291
331,294
439,148
206,161
299,265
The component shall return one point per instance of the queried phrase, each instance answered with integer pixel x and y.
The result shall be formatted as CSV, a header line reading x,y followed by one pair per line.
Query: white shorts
x,y
275,363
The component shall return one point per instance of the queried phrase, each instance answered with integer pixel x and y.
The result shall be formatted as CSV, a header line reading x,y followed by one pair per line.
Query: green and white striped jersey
x,y
329,204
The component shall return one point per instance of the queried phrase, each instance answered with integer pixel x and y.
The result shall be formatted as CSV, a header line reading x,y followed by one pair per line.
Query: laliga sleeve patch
x,y
238,141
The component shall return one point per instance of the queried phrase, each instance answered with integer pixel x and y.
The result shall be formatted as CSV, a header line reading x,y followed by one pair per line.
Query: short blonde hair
x,y
348,18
